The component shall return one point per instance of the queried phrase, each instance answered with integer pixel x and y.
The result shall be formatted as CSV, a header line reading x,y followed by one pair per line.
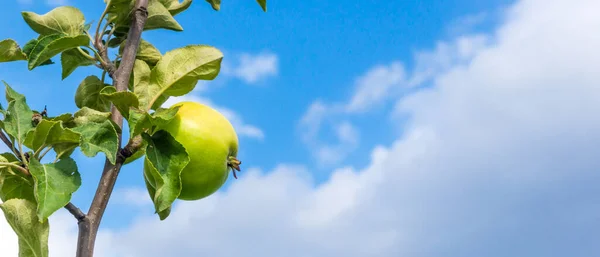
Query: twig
x,y
88,227
25,171
77,213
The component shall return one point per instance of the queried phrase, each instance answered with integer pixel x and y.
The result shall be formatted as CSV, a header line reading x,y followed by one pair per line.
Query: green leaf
x,y
263,4
159,17
55,183
72,59
141,83
175,7
11,94
49,133
13,183
177,73
138,121
29,46
216,4
98,134
162,116
119,11
51,45
18,119
167,159
146,52
88,94
32,234
122,100
64,150
61,20
10,51
86,115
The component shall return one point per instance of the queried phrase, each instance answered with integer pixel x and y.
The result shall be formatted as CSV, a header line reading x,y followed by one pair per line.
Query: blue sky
x,y
386,128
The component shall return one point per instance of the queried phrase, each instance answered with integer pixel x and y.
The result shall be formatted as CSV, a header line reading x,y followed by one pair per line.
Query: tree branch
x,y
9,144
88,228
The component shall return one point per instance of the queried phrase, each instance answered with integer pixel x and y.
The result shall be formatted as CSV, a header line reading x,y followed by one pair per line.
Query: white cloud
x,y
382,84
252,68
376,86
242,128
499,159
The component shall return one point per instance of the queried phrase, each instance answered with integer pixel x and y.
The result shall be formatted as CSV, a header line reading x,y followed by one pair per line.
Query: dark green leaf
x,y
54,184
178,72
32,234
51,45
167,158
88,94
216,4
10,51
71,59
263,4
64,20
122,100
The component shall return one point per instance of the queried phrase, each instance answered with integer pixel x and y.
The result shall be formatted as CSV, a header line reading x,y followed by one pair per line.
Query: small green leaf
x,y
178,72
97,136
51,45
36,138
115,41
146,52
162,116
72,59
32,234
216,4
10,51
175,7
88,94
64,150
63,20
159,17
141,84
138,121
13,183
263,4
167,159
49,133
86,115
122,100
29,46
18,119
54,184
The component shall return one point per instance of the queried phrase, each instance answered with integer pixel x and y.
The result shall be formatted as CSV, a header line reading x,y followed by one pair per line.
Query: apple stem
x,y
234,164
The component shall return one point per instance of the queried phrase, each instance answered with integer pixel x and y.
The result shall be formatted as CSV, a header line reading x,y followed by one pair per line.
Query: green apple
x,y
212,144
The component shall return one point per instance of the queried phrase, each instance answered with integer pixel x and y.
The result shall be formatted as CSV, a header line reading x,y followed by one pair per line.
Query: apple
x,y
212,144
